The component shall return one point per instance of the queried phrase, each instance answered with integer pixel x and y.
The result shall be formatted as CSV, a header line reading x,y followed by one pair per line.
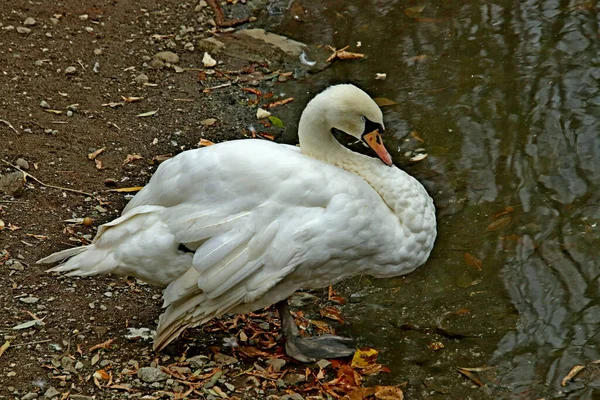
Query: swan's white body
x,y
262,220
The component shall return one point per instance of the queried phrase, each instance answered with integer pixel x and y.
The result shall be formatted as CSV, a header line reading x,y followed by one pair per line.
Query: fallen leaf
x,y
383,102
473,261
332,313
360,393
388,393
28,324
103,345
2,225
205,143
416,136
471,376
147,114
101,374
4,347
506,211
113,104
574,371
414,12
131,158
276,121
279,103
128,189
131,99
254,352
436,346
98,163
364,357
498,224
96,153
160,158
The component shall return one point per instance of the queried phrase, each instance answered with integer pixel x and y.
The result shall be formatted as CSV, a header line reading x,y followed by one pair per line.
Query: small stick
x,y
9,125
47,185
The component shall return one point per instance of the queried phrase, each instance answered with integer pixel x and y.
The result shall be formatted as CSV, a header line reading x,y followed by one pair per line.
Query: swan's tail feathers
x,y
82,261
61,255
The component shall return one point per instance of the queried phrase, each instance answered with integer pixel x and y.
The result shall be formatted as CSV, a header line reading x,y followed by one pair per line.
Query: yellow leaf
x,y
382,101
364,357
128,189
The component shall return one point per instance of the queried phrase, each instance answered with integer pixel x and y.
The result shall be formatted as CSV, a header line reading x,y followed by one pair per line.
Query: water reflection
x,y
505,96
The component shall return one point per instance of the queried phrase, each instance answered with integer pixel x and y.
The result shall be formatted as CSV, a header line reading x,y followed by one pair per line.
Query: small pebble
x,y
29,21
70,70
44,104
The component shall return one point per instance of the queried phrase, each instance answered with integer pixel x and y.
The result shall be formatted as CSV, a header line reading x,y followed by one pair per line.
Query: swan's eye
x,y
363,118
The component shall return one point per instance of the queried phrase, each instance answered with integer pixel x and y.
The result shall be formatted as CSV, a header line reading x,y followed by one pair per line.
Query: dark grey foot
x,y
311,349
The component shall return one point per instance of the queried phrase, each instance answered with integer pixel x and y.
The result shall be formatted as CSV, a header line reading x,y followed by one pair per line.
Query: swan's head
x,y
352,111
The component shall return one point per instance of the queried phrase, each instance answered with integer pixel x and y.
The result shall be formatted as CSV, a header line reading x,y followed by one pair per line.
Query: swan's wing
x,y
251,220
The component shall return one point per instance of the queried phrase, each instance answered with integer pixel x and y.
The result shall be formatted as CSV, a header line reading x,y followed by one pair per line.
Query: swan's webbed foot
x,y
311,349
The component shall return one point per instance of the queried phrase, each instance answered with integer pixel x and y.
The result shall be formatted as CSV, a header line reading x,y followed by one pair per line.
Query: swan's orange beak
x,y
373,140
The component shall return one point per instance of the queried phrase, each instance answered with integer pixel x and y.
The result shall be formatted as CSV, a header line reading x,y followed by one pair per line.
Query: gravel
x,y
151,374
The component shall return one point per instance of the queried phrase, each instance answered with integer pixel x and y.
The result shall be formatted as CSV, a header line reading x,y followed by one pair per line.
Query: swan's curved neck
x,y
393,184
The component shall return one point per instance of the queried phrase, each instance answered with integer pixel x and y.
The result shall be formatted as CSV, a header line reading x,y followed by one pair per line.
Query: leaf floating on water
x,y
147,114
574,371
498,224
383,102
415,135
276,121
506,211
464,281
414,12
473,261
471,376
364,357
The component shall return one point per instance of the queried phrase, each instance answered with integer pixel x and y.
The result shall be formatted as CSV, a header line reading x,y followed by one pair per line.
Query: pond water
x,y
504,98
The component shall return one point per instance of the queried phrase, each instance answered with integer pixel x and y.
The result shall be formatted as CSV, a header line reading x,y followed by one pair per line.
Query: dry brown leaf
x,y
498,224
388,393
205,143
471,376
13,227
96,153
254,352
102,374
131,158
574,371
332,313
278,103
103,345
131,99
473,261
360,393
506,211
416,136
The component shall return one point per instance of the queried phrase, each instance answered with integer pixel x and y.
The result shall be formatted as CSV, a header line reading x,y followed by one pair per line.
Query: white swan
x,y
241,225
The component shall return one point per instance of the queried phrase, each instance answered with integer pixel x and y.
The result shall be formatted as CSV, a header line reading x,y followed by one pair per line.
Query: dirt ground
x,y
69,75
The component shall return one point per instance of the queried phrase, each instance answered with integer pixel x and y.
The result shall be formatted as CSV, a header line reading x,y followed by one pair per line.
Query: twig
x,y
12,201
5,122
217,87
47,185
220,19
28,343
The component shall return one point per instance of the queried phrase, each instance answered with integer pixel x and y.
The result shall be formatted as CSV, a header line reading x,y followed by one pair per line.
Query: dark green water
x,y
505,97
